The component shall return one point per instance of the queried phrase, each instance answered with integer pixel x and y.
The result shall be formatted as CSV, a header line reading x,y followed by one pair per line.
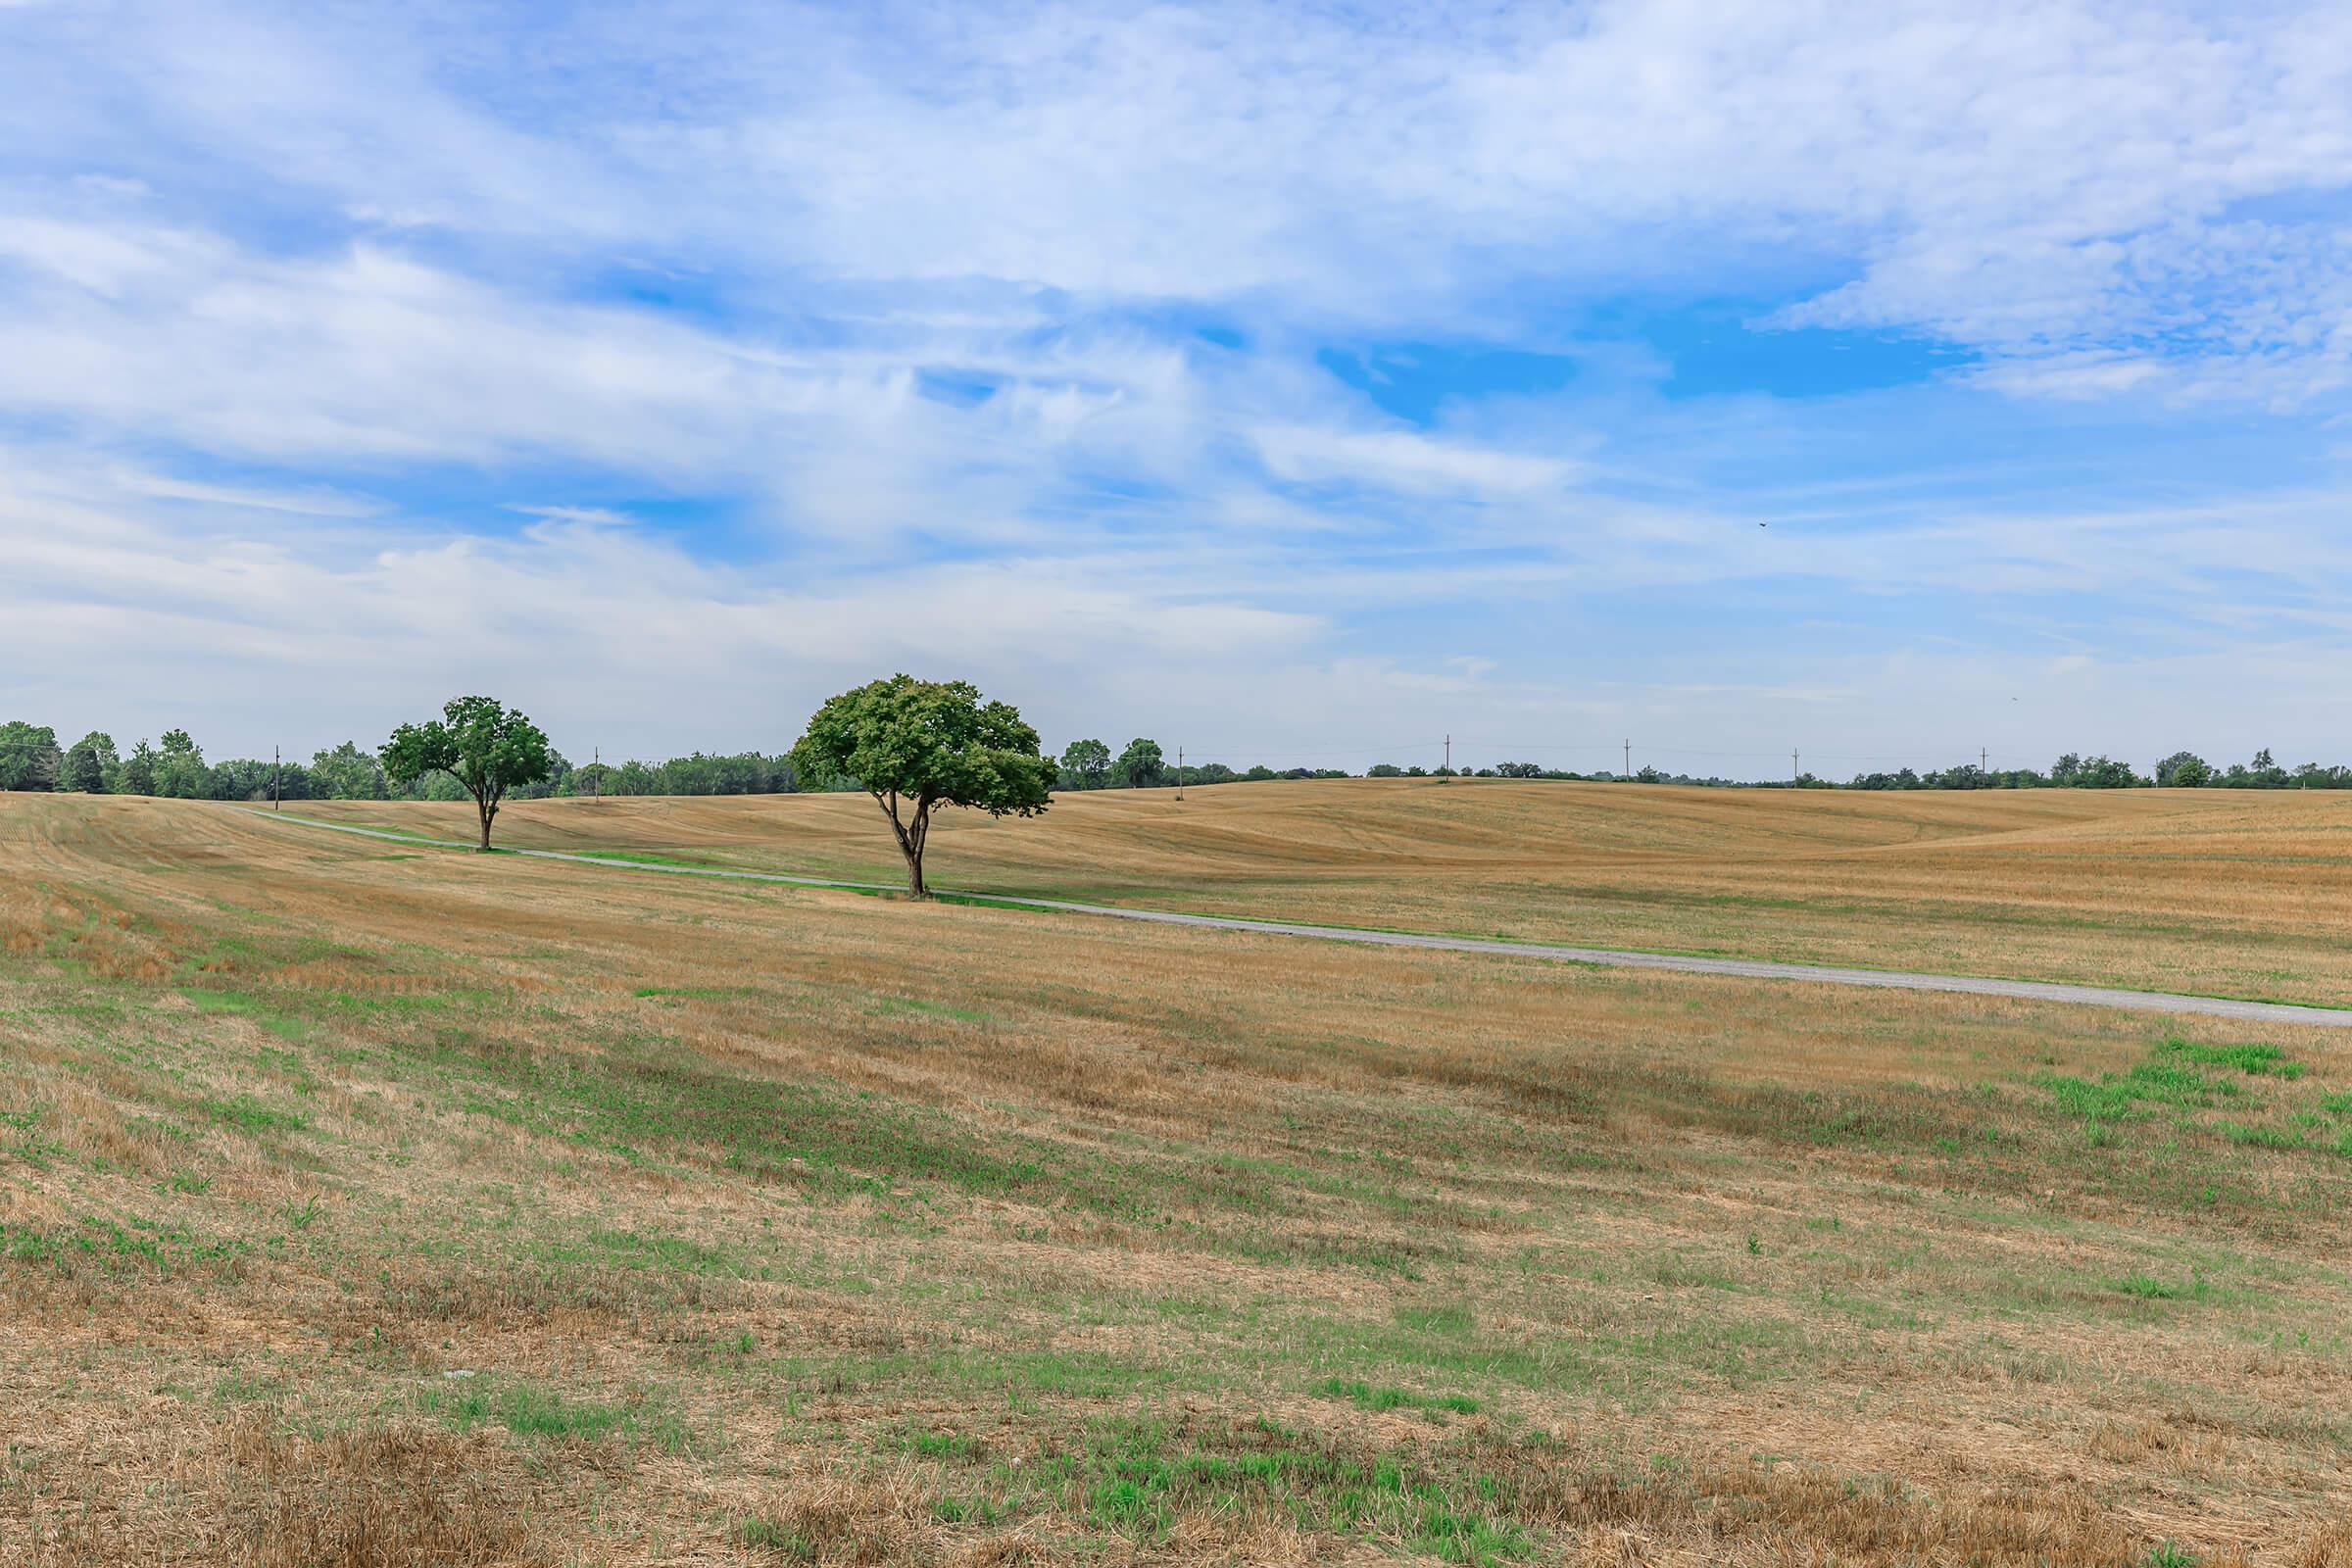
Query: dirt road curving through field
x,y
2247,1011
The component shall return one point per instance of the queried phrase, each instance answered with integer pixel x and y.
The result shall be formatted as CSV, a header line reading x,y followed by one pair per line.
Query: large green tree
x,y
1141,765
180,769
136,775
915,745
347,773
488,747
90,764
1086,765
2184,770
28,755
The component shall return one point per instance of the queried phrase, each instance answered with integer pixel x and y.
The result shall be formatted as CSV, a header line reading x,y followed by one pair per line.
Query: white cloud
x,y
1400,459
616,636
2081,376
919,295
87,256
2024,178
313,502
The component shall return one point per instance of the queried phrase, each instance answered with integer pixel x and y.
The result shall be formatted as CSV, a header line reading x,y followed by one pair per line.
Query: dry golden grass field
x,y
367,1204
2239,893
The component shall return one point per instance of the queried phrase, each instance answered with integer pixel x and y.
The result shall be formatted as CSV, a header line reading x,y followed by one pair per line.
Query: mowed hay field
x,y
2240,894
369,1204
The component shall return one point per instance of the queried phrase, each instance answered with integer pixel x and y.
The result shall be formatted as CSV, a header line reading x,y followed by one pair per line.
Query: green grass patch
x,y
2173,1079
1366,1397
2132,1095
2149,1287
1453,1320
648,1100
2260,1135
1073,1374
1135,1477
114,1247
924,1443
776,1541
22,1138
645,1098
253,1010
2258,1061
250,1115
528,1410
644,1250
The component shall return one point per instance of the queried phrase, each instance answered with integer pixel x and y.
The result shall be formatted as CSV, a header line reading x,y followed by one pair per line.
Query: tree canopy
x,y
2184,770
1086,765
1141,765
915,745
347,773
91,765
486,746
28,756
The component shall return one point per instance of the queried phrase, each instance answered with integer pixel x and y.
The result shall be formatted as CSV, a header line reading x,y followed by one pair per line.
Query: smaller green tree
x,y
136,775
487,748
2184,770
28,756
1142,765
347,773
90,764
180,769
1086,765
915,745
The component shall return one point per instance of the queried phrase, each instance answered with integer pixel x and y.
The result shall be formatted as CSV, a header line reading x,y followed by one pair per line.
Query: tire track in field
x,y
1602,957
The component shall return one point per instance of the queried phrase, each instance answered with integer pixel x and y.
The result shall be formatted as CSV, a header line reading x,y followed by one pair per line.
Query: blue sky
x,y
1287,382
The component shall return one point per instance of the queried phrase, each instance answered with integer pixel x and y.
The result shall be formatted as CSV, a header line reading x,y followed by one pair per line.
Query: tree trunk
x,y
488,810
910,836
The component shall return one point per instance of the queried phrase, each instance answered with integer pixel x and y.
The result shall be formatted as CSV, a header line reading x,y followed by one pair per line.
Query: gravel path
x,y
1744,968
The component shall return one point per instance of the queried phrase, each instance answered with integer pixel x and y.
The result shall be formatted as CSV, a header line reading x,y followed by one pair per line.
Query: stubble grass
x,y
494,1210
2209,892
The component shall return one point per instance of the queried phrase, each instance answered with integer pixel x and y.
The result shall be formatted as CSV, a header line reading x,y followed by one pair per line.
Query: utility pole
x,y
596,774
1794,774
1628,774
1180,772
1449,756
274,805
1983,759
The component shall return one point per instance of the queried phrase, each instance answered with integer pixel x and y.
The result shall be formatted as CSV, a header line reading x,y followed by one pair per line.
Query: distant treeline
x,y
2181,770
30,758
1142,765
